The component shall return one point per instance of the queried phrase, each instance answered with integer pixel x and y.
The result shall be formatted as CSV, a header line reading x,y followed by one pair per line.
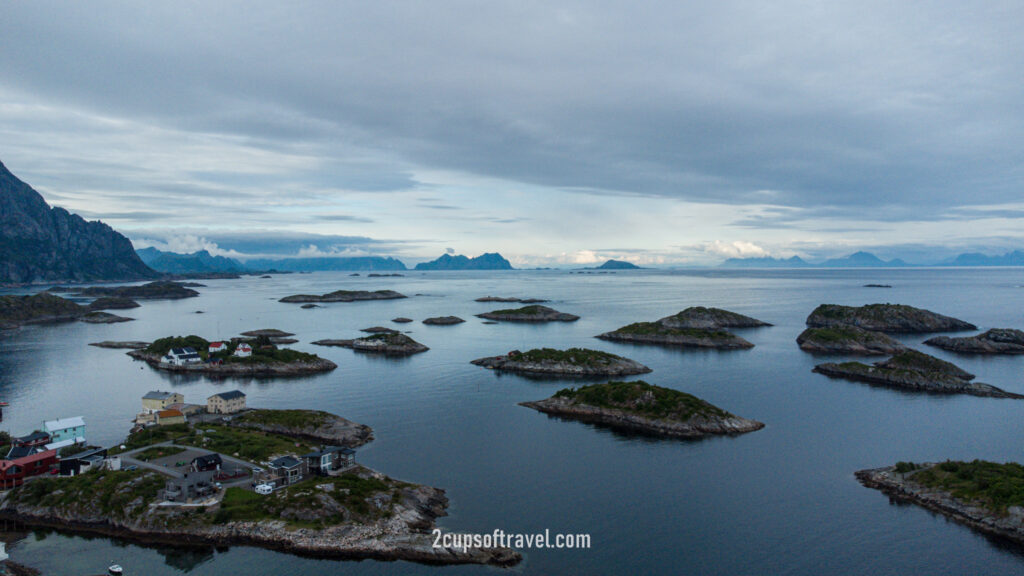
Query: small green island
x,y
571,362
344,296
994,341
532,313
389,343
917,371
644,408
848,339
710,318
239,356
37,309
256,479
986,496
161,290
657,333
885,318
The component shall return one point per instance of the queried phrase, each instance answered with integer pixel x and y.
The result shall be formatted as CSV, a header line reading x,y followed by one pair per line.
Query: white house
x,y
65,432
217,347
181,356
243,350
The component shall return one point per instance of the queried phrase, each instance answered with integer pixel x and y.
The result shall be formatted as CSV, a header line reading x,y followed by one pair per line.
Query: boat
x,y
115,570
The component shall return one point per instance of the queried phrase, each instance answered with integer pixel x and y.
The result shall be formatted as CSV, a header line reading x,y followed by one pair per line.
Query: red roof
x,y
216,344
169,414
5,464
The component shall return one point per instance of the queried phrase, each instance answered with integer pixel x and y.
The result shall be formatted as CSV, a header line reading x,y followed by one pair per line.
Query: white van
x,y
264,489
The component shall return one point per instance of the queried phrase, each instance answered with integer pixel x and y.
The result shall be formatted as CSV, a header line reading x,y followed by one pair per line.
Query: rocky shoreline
x,y
298,368
848,340
344,296
387,343
318,426
902,488
655,333
532,313
402,536
885,318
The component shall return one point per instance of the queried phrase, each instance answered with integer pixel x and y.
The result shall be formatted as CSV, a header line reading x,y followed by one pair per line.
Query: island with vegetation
x,y
657,333
161,290
266,359
356,513
37,309
103,318
644,408
913,370
532,313
387,343
710,318
885,318
994,341
113,303
571,362
443,321
510,299
344,296
848,339
986,496
125,344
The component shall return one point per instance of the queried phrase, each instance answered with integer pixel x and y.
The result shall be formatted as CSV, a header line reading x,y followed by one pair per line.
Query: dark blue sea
x,y
782,500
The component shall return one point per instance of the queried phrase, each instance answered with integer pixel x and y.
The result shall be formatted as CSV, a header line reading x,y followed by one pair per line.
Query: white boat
x,y
115,570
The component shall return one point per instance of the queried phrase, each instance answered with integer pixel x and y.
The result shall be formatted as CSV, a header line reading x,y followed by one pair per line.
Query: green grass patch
x,y
247,444
157,452
297,419
153,435
994,486
576,356
657,329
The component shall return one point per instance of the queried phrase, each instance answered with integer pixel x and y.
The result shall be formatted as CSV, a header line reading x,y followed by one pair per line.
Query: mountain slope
x,y
175,263
43,244
488,261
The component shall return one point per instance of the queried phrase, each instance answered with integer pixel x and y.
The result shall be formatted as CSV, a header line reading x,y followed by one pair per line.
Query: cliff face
x,y
43,244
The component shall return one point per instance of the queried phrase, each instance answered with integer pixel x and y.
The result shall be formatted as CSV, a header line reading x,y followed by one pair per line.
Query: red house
x,y
14,472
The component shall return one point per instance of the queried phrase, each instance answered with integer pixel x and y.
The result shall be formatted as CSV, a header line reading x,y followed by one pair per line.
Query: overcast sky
x,y
553,132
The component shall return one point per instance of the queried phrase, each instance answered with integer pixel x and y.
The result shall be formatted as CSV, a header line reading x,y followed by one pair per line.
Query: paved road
x,y
127,458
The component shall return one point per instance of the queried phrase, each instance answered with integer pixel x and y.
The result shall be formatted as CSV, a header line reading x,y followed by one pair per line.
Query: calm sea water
x,y
782,500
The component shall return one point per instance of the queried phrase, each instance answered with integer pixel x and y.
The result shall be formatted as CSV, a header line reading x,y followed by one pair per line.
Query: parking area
x,y
180,460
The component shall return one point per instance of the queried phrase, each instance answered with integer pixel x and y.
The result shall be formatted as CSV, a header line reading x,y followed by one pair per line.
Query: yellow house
x,y
158,400
226,402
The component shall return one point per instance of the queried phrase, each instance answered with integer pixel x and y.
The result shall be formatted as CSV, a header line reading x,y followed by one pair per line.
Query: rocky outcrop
x,y
571,362
913,370
641,407
995,341
378,330
345,296
37,308
268,332
126,344
885,318
656,333
510,299
401,320
43,244
443,321
710,318
533,313
113,303
387,343
104,318
902,487
152,291
312,425
848,340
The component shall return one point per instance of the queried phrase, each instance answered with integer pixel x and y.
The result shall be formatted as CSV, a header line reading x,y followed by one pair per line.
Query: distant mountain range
x,y
326,263
196,262
869,260
43,244
488,261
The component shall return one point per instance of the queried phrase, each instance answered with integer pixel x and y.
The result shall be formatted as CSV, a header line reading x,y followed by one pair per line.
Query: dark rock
x,y
387,343
885,318
378,330
37,308
532,313
657,333
848,340
443,321
104,318
113,303
344,296
401,320
571,362
995,341
710,318
161,290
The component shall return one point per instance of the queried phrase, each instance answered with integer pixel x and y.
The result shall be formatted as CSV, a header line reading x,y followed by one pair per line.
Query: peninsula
x,y
344,296
344,512
885,318
571,362
644,408
913,370
994,341
37,309
532,313
387,343
161,290
848,339
986,496
192,354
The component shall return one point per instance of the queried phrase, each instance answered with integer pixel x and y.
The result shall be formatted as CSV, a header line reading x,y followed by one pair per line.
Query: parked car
x,y
264,489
